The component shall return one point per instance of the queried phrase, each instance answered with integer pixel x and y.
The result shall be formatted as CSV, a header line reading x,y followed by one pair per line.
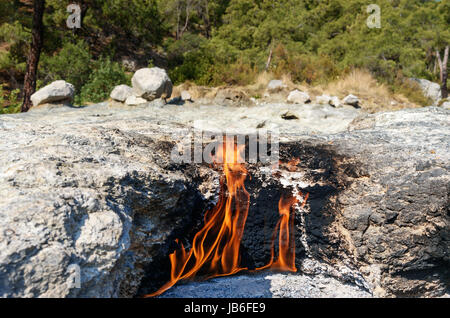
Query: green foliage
x,y
17,38
215,42
102,80
9,102
73,63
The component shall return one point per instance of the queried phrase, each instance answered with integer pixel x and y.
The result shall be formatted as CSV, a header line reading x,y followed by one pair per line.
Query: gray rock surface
x,y
152,83
57,91
121,93
268,285
86,198
91,193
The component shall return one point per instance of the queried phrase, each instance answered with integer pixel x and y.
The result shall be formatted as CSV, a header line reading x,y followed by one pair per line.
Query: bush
x,y
9,103
196,66
102,80
17,38
411,90
72,64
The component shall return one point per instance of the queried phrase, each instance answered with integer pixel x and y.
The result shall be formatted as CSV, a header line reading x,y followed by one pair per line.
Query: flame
x,y
286,240
216,247
217,244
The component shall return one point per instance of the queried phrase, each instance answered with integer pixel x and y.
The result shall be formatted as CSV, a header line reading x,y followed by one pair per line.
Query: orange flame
x,y
216,247
286,241
217,244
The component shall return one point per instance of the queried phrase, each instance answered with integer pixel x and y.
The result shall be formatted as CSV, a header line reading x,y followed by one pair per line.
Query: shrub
x,y
72,64
102,80
9,103
412,91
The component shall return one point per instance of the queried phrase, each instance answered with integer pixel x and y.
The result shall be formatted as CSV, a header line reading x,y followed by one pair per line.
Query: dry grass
x,y
375,97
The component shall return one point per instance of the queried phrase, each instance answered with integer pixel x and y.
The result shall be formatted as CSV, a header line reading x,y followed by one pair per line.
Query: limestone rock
x,y
91,201
298,97
186,96
152,83
323,99
445,103
335,101
351,100
230,96
121,93
429,89
289,115
275,86
328,100
134,101
57,91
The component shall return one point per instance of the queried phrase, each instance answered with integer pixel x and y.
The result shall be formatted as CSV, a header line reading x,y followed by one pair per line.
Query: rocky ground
x,y
90,201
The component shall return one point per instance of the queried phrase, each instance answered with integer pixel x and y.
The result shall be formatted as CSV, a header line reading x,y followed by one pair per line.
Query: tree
x,y
34,53
443,71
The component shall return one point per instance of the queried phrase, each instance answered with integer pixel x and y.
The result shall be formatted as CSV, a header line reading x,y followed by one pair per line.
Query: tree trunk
x,y
34,53
206,19
269,60
186,23
443,71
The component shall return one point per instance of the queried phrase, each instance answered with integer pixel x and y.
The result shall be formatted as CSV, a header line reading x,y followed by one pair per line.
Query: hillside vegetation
x,y
226,42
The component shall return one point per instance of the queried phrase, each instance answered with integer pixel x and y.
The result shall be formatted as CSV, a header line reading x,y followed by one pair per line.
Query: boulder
x,y
445,103
134,101
130,64
323,99
58,91
289,115
335,101
152,83
298,97
430,89
121,93
328,100
351,100
231,96
186,96
275,86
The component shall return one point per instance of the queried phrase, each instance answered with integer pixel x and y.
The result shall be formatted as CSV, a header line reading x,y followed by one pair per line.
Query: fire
x,y
216,247
286,241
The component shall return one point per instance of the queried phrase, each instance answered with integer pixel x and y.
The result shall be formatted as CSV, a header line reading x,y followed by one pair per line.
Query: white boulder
x,y
351,100
446,104
121,93
323,99
298,97
275,86
135,100
186,96
335,101
429,89
328,100
152,83
58,91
